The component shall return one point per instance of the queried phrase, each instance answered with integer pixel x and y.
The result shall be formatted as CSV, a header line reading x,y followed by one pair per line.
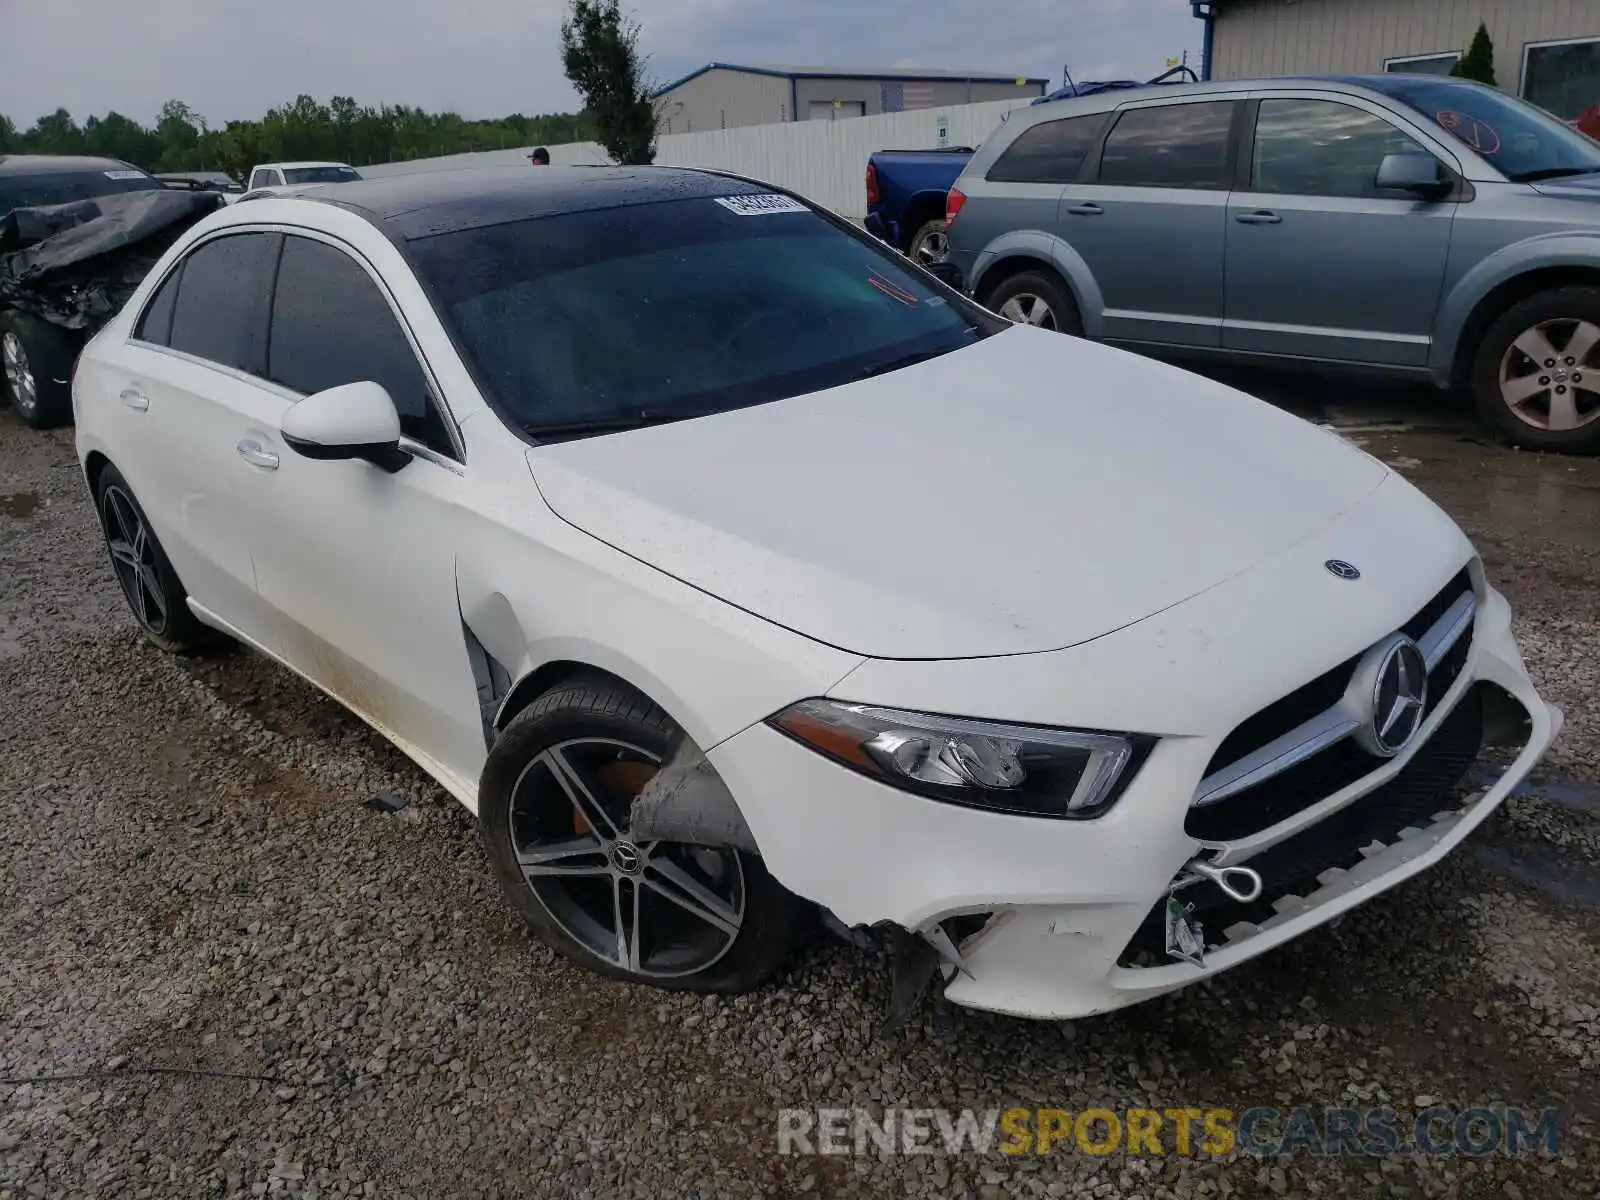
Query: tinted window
x,y
331,326
658,311
1523,142
156,324
1050,152
223,295
34,191
320,174
1170,145
1321,148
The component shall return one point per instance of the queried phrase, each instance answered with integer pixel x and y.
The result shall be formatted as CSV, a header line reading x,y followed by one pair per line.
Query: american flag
x,y
901,97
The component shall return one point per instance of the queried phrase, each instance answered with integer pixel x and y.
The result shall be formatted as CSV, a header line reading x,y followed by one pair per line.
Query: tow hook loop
x,y
1185,939
1237,883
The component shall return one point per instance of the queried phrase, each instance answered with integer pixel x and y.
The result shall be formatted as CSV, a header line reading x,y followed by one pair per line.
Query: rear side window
x,y
331,326
156,324
223,299
1050,152
1169,145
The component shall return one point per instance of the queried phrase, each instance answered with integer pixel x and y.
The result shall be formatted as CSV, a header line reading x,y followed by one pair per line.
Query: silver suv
x,y
1412,225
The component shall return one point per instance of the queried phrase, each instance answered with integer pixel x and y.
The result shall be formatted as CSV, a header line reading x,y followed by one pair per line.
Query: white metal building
x,y
730,96
1547,51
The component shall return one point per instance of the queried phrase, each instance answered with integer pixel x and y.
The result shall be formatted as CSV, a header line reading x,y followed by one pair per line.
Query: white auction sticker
x,y
761,205
126,175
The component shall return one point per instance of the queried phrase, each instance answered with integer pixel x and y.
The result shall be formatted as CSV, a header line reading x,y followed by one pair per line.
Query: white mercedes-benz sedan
x,y
734,570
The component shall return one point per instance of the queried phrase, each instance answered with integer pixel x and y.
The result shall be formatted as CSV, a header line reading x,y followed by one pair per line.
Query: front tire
x,y
37,359
1536,377
1036,298
553,808
154,593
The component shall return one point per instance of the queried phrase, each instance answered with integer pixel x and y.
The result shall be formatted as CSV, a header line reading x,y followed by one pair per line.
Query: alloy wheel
x,y
931,247
133,558
1550,375
653,908
19,374
1025,308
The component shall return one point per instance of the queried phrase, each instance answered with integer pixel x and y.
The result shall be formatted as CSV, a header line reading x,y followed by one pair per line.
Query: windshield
x,y
1523,142
320,174
63,187
616,317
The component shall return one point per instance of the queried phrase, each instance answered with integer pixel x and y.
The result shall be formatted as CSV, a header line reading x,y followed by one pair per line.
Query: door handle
x,y
1091,209
257,455
1260,217
135,399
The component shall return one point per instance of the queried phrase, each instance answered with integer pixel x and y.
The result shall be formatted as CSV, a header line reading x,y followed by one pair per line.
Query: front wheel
x,y
554,810
38,361
1035,298
1536,377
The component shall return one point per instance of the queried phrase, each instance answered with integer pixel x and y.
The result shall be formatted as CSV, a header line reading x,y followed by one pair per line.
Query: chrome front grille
x,y
1301,749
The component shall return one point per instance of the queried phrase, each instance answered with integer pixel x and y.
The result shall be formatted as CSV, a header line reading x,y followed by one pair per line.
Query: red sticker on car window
x,y
1474,131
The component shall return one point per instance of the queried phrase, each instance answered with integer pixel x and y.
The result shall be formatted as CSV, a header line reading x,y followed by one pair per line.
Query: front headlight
x,y
1023,769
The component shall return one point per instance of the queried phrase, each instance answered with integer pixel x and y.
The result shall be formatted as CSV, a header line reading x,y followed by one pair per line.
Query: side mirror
x,y
1417,173
354,420
947,273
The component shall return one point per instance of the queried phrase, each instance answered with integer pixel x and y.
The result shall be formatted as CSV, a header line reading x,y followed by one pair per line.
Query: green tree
x,y
10,139
57,133
177,134
1478,62
116,136
600,51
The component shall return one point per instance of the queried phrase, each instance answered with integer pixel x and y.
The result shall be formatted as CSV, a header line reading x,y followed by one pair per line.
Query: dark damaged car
x,y
76,237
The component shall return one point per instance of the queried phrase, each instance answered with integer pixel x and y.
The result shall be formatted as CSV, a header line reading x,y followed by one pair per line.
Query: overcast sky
x,y
234,59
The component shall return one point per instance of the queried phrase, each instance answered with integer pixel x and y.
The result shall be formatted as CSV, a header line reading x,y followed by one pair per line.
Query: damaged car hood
x,y
1028,493
75,264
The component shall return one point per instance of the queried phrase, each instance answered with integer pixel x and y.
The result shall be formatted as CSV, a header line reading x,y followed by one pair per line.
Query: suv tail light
x,y
954,201
872,184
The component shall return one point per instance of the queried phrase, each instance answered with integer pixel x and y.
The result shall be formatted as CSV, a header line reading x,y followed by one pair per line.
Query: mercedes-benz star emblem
x,y
1344,570
626,858
1398,697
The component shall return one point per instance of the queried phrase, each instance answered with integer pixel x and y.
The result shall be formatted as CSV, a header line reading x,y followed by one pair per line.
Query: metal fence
x,y
822,160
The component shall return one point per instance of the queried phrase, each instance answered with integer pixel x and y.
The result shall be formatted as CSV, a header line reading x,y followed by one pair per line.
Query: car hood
x,y
1577,187
1028,493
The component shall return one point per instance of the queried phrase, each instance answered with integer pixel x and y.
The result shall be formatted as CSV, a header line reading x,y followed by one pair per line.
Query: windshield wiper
x,y
614,424
1544,173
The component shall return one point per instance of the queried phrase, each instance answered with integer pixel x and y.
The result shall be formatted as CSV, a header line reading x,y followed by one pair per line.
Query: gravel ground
x,y
222,975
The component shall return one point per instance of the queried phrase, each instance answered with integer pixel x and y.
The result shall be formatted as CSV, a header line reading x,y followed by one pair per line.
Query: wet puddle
x,y
19,504
1579,797
1543,872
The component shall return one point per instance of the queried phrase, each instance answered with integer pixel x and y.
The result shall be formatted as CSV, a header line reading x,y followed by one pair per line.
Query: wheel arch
x,y
1500,281
1031,250
923,207
94,465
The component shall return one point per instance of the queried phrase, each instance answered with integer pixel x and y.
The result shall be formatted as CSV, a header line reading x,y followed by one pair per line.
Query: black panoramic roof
x,y
431,202
57,164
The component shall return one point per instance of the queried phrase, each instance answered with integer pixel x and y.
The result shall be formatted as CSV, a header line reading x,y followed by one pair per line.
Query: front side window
x,y
1050,152
1521,141
224,293
1564,79
332,326
1323,148
589,321
1169,145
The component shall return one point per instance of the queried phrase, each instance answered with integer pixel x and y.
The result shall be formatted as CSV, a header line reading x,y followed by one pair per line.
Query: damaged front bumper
x,y
1051,919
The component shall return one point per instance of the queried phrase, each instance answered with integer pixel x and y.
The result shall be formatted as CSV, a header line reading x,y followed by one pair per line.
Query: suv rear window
x,y
65,187
660,311
320,174
1169,145
1050,152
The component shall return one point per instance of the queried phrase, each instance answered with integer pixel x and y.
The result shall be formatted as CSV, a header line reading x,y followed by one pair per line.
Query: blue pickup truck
x,y
906,189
